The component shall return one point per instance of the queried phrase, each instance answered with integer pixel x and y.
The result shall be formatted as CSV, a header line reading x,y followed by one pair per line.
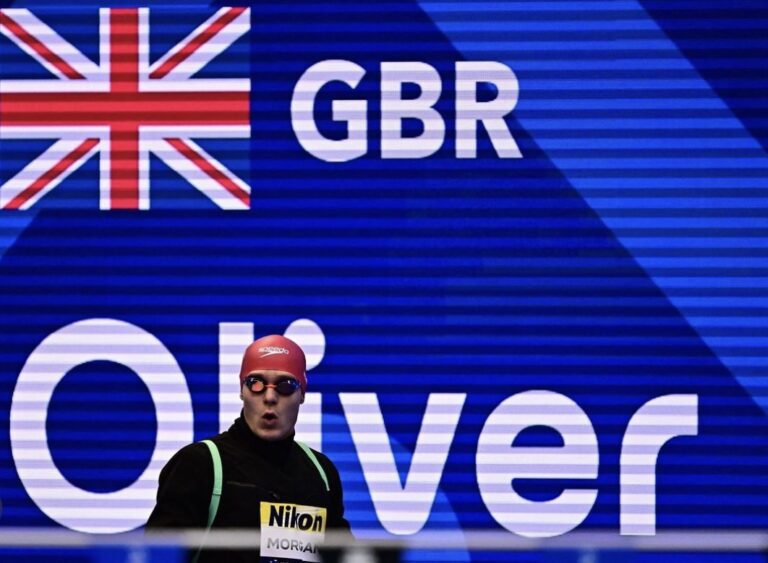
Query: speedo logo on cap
x,y
271,351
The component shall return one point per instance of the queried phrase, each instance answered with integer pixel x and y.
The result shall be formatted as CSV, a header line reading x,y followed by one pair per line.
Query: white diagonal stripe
x,y
202,56
40,166
200,180
53,41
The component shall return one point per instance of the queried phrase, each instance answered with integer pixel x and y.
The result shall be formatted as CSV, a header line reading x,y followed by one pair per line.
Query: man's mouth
x,y
269,416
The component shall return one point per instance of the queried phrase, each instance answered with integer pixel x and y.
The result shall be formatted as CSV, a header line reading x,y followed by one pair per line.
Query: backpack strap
x,y
213,507
311,455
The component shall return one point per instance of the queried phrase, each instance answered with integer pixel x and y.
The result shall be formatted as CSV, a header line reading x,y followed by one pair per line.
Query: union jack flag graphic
x,y
125,108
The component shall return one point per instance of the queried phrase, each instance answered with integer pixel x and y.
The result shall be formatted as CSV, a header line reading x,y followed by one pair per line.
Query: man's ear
x,y
302,397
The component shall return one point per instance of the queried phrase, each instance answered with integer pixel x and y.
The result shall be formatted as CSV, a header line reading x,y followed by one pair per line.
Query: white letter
x,y
234,338
352,111
498,463
653,425
402,509
469,110
87,341
394,109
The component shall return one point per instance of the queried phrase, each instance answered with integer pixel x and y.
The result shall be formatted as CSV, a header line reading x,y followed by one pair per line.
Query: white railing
x,y
472,540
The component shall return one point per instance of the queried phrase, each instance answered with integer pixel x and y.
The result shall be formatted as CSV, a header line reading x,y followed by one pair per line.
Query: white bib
x,y
291,532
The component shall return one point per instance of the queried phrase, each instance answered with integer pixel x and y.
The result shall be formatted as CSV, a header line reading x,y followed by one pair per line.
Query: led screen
x,y
522,243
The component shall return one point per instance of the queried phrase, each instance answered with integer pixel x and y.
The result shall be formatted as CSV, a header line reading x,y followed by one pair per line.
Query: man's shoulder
x,y
325,462
193,454
319,455
196,452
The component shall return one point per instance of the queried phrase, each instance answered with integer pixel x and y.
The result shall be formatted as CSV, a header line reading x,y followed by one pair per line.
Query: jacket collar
x,y
276,450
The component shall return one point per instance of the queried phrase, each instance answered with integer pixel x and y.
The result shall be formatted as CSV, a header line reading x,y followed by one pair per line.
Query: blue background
x,y
623,258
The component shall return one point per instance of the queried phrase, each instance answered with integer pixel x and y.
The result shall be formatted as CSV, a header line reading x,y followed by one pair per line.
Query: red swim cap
x,y
278,353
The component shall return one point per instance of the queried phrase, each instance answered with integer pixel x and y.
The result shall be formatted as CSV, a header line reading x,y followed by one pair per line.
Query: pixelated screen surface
x,y
522,243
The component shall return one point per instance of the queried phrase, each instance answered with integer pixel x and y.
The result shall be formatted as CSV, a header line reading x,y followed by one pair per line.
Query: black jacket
x,y
254,470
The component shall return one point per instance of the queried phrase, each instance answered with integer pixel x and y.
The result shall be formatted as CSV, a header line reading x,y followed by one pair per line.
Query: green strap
x,y
311,455
213,507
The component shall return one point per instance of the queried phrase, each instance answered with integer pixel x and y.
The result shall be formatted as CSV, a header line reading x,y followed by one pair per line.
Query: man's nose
x,y
270,395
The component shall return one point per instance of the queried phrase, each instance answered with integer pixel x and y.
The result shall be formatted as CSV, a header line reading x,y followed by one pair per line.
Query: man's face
x,y
269,415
